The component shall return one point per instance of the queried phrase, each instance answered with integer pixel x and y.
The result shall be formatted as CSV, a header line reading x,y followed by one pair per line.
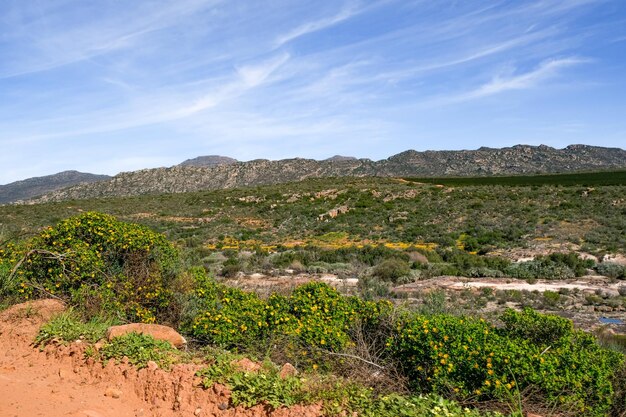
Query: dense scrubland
x,y
162,259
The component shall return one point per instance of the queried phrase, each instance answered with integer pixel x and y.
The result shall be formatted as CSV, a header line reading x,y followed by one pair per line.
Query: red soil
x,y
59,382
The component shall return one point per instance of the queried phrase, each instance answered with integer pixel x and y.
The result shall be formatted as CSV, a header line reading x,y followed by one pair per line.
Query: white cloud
x,y
254,75
500,84
317,25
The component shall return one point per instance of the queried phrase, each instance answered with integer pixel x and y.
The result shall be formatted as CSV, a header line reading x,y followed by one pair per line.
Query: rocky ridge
x,y
519,159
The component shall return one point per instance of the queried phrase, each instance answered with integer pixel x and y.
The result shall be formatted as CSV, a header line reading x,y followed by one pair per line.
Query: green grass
x,y
68,327
140,349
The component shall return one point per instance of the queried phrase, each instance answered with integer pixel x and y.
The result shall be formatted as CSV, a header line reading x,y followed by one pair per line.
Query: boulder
x,y
157,331
246,365
288,370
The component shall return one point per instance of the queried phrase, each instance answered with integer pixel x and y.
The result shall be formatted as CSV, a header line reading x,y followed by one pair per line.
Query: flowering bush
x,y
99,262
472,359
315,314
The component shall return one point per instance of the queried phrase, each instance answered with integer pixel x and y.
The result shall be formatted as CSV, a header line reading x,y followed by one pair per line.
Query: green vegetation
x,y
140,349
68,327
314,316
582,178
375,211
385,232
100,264
339,397
438,353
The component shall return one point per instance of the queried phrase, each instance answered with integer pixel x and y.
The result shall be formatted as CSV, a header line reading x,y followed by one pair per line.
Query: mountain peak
x,y
340,158
209,161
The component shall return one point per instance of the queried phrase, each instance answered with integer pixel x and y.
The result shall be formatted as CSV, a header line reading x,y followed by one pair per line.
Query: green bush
x,y
473,359
392,270
8,284
553,266
229,317
612,270
101,264
315,315
338,397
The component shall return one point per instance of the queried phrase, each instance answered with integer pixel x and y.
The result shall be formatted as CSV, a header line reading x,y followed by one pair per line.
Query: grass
x,y
67,327
140,349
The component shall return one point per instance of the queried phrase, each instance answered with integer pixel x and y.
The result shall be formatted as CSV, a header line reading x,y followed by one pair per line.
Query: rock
x,y
223,406
152,365
197,412
157,331
113,393
246,365
288,370
616,259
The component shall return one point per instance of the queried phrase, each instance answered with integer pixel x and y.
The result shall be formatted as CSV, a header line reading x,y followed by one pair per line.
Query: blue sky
x,y
106,86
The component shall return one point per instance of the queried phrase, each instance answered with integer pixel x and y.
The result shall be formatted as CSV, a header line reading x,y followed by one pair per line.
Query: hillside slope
x,y
519,159
33,187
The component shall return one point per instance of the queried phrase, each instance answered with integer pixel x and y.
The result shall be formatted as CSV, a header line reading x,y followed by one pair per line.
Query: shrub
x,y
99,263
8,284
391,270
231,267
338,397
315,315
551,298
473,359
224,316
553,266
611,270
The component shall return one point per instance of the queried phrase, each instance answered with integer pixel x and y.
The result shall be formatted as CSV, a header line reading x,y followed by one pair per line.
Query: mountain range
x,y
36,186
217,172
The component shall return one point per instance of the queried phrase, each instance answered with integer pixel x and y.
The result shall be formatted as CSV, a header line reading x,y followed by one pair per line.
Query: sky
x,y
106,86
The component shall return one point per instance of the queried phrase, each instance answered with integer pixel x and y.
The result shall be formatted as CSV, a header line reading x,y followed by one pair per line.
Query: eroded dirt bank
x,y
59,382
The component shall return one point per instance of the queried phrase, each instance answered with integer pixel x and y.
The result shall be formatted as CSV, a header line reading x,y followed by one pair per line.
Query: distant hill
x,y
340,158
208,161
33,187
519,159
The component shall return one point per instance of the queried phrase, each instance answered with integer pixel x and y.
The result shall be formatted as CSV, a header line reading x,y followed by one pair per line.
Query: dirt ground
x,y
59,382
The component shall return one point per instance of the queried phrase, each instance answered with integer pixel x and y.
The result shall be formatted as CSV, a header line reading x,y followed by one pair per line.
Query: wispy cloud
x,y
316,25
500,84
253,75
48,42
266,79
